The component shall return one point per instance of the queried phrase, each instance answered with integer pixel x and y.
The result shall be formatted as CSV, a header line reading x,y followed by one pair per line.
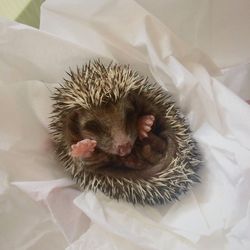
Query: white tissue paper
x,y
41,208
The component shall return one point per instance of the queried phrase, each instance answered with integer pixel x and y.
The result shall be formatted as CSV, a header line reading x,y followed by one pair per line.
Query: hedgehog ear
x,y
72,127
73,115
76,117
135,101
73,119
81,115
131,99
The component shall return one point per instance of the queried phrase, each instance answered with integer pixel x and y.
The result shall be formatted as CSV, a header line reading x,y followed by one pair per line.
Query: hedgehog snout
x,y
124,149
122,142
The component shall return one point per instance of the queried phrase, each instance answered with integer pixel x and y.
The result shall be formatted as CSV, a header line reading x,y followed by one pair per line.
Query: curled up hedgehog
x,y
116,132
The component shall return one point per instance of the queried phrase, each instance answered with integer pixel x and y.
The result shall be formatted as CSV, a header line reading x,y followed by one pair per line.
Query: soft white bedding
x,y
39,206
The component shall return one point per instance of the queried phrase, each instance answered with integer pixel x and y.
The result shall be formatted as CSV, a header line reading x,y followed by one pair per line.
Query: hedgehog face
x,y
113,126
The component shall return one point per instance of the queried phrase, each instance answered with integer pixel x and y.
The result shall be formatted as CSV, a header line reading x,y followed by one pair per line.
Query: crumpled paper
x,y
40,206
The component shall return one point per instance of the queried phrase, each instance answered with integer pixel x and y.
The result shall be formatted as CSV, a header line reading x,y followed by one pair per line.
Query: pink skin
x,y
86,147
144,125
83,148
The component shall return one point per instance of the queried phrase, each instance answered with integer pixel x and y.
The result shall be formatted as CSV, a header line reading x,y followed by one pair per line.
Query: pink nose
x,y
124,149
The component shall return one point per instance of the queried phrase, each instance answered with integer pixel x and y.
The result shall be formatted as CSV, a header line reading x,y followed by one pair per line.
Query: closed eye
x,y
130,118
94,126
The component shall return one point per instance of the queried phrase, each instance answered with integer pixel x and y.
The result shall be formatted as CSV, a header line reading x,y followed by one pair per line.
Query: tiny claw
x,y
143,135
147,128
149,122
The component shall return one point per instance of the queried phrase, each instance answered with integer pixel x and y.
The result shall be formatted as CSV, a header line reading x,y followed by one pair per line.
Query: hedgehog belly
x,y
95,84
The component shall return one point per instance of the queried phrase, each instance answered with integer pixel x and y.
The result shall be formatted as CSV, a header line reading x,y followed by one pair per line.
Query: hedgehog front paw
x,y
83,148
144,125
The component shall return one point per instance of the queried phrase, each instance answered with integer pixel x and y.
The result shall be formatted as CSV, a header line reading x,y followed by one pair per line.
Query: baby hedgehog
x,y
117,133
